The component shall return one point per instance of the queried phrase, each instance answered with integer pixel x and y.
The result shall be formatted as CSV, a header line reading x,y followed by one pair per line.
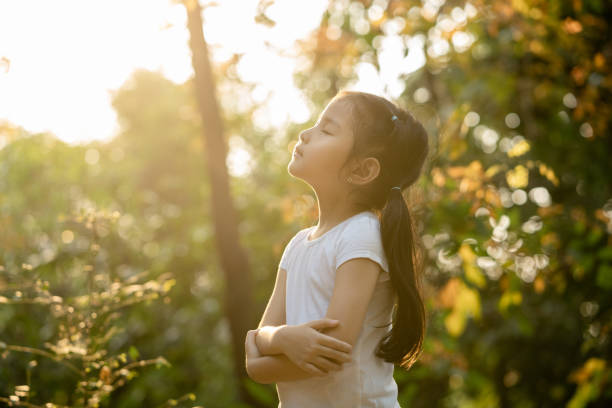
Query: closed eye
x,y
325,131
323,121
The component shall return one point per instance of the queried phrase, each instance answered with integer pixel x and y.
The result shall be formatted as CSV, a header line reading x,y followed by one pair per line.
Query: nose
x,y
304,135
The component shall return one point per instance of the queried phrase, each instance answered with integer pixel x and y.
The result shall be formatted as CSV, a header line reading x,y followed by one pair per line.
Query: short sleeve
x,y
361,239
286,256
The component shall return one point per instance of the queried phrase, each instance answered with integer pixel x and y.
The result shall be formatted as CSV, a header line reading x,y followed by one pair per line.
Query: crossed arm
x,y
353,289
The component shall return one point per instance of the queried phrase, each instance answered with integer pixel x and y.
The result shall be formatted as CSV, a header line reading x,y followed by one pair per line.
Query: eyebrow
x,y
333,122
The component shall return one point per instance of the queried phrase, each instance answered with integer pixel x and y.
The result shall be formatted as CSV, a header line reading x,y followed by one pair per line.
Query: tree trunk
x,y
238,288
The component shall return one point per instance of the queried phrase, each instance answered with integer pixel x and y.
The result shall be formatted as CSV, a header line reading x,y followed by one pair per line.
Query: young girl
x,y
324,338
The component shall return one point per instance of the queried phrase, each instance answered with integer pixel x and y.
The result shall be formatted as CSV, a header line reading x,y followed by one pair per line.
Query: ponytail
x,y
403,343
400,143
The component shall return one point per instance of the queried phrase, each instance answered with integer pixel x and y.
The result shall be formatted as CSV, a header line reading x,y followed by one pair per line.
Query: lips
x,y
298,151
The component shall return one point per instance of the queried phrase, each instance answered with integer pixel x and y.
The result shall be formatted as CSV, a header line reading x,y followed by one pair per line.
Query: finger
x,y
325,364
251,346
322,323
332,342
336,355
311,368
250,337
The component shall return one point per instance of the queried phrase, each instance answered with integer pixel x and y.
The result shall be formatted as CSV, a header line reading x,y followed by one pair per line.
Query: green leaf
x,y
605,253
604,276
260,392
134,354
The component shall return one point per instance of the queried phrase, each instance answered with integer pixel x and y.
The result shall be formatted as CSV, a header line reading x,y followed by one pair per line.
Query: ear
x,y
365,171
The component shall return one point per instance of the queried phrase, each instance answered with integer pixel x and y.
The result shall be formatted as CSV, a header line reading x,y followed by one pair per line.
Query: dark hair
x,y
401,147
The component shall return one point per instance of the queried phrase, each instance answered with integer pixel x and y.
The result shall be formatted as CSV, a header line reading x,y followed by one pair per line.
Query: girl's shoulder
x,y
288,252
361,238
298,236
364,222
362,230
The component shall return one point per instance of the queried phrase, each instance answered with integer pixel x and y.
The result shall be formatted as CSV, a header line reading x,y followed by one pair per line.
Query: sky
x,y
66,56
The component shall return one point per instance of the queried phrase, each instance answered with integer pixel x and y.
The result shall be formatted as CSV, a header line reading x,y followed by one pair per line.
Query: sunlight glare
x,y
62,81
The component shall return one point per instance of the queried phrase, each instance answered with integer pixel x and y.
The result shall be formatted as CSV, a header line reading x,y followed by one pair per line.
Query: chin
x,y
293,171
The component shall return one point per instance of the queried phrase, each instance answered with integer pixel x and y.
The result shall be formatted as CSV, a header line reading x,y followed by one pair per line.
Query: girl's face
x,y
322,150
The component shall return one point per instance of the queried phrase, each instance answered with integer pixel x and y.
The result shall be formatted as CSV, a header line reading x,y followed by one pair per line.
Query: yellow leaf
x,y
521,6
548,173
518,149
509,298
472,272
455,323
594,364
518,177
469,301
458,147
582,374
167,285
539,285
493,170
437,177
447,296
467,304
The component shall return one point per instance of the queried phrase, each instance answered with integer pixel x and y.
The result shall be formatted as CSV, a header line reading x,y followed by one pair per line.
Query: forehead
x,y
338,111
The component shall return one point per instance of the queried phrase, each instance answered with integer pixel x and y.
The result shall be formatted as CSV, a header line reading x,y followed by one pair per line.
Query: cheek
x,y
330,159
336,151
339,155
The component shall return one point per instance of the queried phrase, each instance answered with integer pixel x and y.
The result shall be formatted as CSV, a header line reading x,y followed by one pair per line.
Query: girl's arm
x,y
353,288
272,368
274,316
272,337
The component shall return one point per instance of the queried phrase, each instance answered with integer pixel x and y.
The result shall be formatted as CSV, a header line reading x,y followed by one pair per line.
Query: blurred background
x,y
145,200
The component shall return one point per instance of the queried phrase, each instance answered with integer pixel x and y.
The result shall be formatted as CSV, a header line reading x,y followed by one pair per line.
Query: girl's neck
x,y
332,214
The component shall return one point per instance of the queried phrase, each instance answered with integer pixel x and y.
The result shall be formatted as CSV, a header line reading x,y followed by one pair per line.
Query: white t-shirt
x,y
366,381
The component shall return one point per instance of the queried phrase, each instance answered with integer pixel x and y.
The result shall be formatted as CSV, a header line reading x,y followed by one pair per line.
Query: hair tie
x,y
396,187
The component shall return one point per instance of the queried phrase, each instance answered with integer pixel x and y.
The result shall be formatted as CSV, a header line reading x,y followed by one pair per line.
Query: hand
x,y
250,347
312,351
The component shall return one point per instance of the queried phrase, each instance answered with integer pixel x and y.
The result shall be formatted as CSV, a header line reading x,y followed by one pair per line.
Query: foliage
x,y
82,314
